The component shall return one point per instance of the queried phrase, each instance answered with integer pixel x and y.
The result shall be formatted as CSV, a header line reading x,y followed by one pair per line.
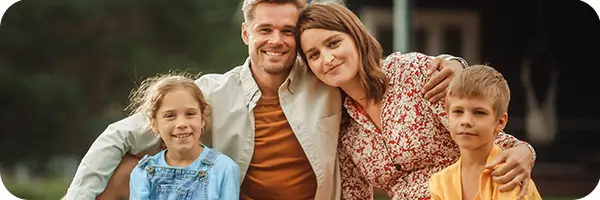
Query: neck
x,y
475,158
183,157
268,83
356,91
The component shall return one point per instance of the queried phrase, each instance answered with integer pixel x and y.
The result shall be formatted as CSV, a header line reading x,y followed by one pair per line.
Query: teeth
x,y
182,135
273,53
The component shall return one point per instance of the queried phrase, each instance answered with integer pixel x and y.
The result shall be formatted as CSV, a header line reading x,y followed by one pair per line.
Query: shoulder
x,y
446,172
225,166
210,82
398,58
225,162
149,160
397,63
443,180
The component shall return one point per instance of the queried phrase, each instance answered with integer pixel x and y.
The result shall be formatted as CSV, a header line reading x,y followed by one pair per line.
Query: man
x,y
269,115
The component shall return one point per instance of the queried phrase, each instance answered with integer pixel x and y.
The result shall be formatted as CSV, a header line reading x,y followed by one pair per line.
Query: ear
x,y
203,124
153,126
502,120
244,33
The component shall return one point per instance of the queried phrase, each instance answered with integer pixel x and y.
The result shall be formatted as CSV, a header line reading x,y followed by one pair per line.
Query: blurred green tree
x,y
67,66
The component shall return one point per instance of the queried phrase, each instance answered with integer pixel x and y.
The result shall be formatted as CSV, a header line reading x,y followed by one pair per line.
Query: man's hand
x,y
516,169
435,88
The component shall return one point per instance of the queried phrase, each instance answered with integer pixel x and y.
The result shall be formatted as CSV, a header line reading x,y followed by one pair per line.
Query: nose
x,y
328,58
466,121
181,123
276,38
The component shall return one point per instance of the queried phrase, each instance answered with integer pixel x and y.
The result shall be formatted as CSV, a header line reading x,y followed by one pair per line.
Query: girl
x,y
186,169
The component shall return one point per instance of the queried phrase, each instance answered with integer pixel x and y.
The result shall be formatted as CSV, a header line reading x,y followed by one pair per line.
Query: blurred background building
x,y
67,67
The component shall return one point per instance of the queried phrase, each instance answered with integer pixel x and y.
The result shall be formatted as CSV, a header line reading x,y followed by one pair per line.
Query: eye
x,y
288,32
457,111
478,112
190,113
334,43
313,56
169,116
264,30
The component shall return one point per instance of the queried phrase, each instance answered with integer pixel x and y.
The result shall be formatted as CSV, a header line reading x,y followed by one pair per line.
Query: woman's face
x,y
331,55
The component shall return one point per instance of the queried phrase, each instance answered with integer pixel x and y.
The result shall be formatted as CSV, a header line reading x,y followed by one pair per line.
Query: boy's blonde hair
x,y
481,81
248,6
148,97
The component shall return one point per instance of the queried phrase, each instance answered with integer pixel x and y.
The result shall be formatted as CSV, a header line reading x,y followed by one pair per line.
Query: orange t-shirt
x,y
446,184
279,169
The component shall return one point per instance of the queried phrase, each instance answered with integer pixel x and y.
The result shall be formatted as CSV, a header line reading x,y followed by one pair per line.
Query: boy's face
x,y
472,121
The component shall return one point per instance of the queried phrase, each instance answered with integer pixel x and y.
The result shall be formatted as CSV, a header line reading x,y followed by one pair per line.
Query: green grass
x,y
52,189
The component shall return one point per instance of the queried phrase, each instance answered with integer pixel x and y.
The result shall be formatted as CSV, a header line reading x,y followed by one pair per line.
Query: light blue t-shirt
x,y
211,176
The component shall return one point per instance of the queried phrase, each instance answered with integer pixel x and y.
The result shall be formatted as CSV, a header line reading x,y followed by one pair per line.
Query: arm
x,y
354,185
230,184
139,185
99,163
410,70
506,141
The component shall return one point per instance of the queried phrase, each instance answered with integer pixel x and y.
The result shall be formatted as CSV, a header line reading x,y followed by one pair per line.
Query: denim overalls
x,y
175,183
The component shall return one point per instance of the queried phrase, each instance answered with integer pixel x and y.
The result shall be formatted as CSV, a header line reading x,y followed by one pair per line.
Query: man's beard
x,y
275,70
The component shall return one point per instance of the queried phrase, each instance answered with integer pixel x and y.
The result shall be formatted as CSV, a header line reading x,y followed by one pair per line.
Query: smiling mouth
x,y
184,135
335,67
273,53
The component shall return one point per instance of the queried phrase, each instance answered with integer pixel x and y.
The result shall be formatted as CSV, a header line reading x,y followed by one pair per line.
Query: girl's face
x,y
179,120
331,55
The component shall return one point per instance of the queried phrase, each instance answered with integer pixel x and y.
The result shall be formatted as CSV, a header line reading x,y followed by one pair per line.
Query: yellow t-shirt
x,y
446,184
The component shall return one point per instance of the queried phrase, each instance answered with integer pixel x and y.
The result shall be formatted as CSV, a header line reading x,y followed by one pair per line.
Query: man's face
x,y
270,37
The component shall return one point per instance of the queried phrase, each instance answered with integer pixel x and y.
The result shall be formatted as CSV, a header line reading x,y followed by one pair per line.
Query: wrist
x,y
462,61
531,151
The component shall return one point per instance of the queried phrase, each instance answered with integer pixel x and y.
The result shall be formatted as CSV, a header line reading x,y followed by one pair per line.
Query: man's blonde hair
x,y
249,5
481,81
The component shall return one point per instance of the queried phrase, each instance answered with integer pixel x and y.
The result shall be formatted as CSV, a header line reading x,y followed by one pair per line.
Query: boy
x,y
477,104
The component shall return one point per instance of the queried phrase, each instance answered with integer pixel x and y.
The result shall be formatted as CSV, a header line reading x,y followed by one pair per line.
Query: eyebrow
x,y
175,110
270,25
474,108
308,51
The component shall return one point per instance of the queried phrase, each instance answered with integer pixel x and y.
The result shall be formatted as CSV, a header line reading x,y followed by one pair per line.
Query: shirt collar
x,y
250,87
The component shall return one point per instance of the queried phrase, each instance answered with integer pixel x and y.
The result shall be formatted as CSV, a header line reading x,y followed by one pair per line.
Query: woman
x,y
396,139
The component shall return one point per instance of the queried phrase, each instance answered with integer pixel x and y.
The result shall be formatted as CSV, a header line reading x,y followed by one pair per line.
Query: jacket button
x,y
150,170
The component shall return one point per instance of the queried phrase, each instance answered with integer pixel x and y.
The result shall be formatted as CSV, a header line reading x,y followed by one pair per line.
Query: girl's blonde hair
x,y
148,97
